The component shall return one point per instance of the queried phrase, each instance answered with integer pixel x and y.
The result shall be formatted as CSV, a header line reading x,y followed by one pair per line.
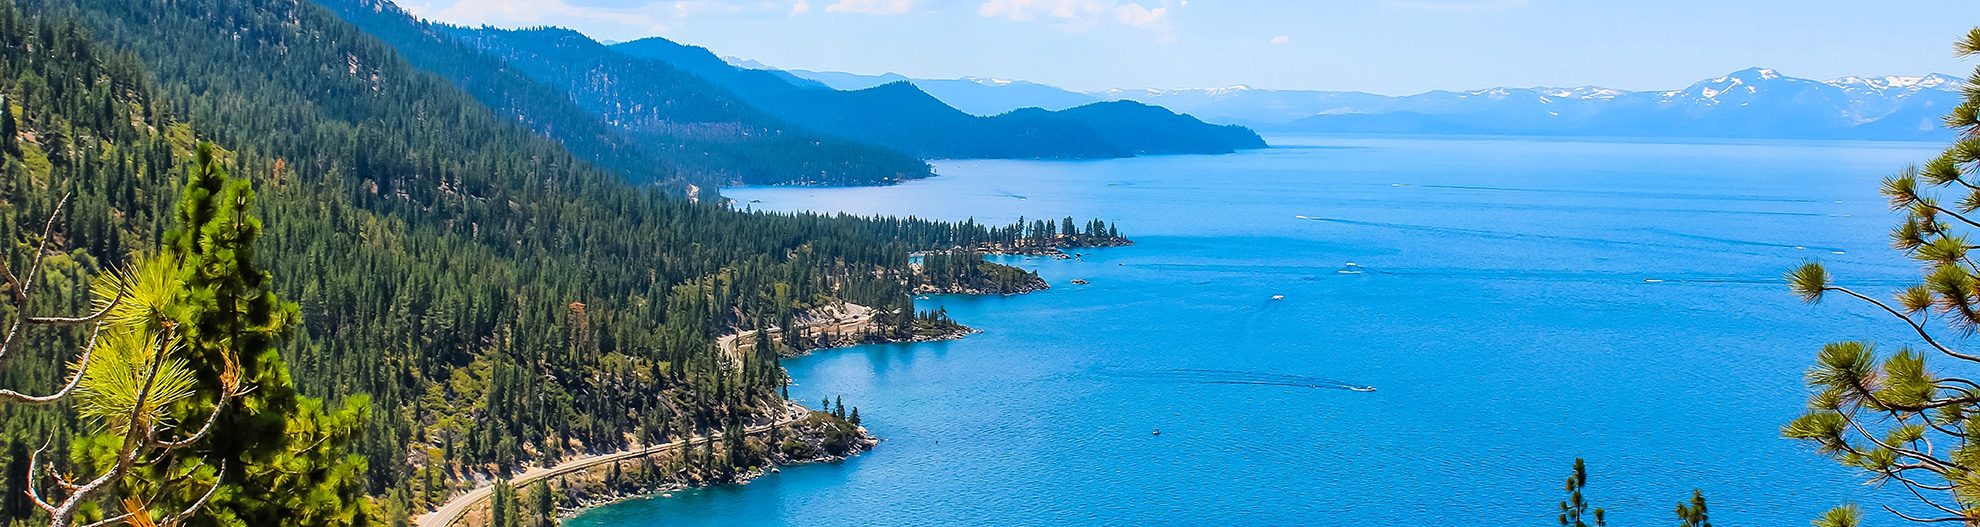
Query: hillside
x,y
903,116
1155,130
484,297
975,95
635,115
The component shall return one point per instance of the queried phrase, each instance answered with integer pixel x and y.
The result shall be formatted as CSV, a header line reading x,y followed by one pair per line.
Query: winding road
x,y
454,509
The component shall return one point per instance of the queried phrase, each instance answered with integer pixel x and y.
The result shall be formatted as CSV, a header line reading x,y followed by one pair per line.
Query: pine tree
x,y
284,454
1574,508
9,131
543,508
1693,514
1903,417
855,416
502,507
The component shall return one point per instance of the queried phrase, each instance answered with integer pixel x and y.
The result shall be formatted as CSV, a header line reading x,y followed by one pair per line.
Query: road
x,y
452,511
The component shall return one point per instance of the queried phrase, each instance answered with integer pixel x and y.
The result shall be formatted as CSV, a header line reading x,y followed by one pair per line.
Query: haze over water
x,y
1518,304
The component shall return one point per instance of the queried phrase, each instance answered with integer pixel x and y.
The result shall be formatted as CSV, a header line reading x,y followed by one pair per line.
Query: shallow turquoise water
x,y
1521,303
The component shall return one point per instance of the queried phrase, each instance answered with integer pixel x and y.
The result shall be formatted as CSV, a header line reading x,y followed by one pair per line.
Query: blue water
x,y
1508,313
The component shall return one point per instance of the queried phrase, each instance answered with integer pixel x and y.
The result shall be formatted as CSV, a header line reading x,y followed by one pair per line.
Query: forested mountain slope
x,y
598,102
493,295
904,117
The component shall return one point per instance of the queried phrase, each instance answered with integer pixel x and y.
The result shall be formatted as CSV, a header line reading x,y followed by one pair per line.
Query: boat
x,y
1362,388
1278,297
1158,431
1080,281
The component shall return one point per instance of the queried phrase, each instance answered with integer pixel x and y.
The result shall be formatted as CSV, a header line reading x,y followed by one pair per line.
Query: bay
x,y
1515,304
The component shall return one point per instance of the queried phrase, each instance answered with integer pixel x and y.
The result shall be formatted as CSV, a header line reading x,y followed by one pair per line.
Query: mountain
x,y
1245,104
975,95
1750,103
986,96
690,120
488,270
837,80
902,116
666,121
1151,128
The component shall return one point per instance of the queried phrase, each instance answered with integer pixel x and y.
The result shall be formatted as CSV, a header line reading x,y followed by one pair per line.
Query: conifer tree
x,y
1693,514
1890,414
542,507
288,453
1574,509
502,506
9,131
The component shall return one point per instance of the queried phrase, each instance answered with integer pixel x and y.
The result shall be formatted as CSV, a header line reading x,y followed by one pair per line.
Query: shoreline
x,y
838,318
474,504
731,344
608,497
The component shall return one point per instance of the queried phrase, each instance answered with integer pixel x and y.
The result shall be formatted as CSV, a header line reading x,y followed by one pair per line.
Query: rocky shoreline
x,y
808,441
1052,251
956,334
815,432
1032,285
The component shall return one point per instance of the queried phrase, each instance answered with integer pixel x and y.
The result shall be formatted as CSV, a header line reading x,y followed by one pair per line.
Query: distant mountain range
x,y
669,112
976,95
1750,103
902,117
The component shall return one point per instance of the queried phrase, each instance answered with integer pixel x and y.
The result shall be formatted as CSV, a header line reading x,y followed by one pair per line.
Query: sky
x,y
1391,47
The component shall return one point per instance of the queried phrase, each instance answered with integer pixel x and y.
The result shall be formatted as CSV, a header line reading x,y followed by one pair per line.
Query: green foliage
x,y
967,271
1899,419
1574,509
1693,514
503,510
542,506
1847,515
133,374
435,282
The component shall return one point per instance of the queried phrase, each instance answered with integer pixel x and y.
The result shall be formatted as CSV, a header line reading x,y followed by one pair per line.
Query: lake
x,y
1515,303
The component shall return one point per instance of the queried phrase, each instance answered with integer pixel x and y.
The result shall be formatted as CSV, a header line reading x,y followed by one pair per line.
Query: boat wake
x,y
1243,378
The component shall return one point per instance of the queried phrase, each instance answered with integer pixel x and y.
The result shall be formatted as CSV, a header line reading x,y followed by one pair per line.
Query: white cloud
x,y
1076,14
1138,15
801,7
872,7
1281,40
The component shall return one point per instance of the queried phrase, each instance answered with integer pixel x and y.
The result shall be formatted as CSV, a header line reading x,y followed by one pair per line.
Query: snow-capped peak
x,y
1936,81
987,81
1581,92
